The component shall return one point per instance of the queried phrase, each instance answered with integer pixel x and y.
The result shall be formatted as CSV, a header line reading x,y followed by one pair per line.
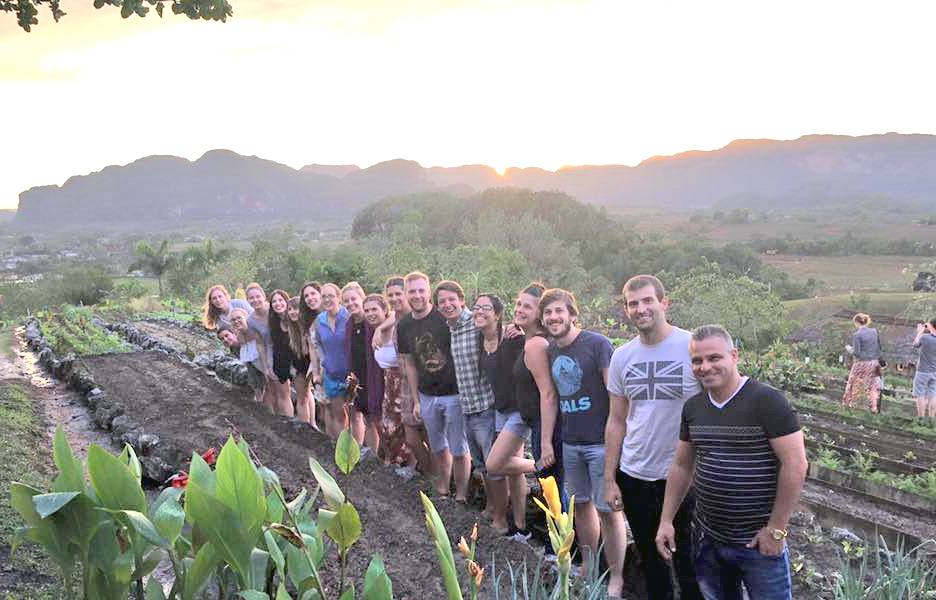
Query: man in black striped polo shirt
x,y
743,442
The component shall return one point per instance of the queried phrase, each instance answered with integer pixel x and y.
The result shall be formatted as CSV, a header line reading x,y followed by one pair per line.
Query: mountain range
x,y
756,174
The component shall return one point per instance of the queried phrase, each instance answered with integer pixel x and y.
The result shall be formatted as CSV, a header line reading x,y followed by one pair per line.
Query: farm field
x,y
868,476
887,303
850,273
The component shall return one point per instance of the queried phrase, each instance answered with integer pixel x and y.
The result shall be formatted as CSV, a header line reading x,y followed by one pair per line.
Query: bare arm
x,y
537,361
412,379
791,452
678,481
615,432
384,331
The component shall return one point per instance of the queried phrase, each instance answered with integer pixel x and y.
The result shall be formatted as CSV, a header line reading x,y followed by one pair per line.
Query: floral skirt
x,y
864,385
392,435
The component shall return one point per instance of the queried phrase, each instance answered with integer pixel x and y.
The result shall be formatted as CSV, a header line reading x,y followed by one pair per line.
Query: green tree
x,y
82,285
747,308
156,261
27,11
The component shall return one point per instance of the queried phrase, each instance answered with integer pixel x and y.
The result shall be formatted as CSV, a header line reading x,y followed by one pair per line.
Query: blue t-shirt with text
x,y
583,397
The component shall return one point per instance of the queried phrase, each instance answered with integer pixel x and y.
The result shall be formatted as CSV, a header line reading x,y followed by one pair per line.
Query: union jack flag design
x,y
655,380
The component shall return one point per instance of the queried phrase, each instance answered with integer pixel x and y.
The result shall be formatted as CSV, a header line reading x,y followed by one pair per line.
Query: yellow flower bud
x,y
474,532
463,548
551,493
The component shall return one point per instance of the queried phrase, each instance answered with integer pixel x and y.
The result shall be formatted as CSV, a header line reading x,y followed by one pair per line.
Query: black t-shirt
x,y
500,375
736,469
428,341
358,351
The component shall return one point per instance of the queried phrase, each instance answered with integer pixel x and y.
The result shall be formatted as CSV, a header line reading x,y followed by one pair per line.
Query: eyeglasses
x,y
328,296
482,308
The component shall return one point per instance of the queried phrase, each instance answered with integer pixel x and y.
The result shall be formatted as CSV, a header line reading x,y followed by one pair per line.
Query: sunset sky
x,y
524,83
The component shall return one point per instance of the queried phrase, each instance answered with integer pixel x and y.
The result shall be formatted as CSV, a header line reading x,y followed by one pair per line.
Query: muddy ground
x,y
191,410
179,338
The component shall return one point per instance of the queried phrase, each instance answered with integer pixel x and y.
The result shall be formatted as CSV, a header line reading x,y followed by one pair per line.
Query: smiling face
x,y
330,294
557,319
312,297
228,338
526,312
396,298
219,299
645,310
256,299
714,362
417,294
278,304
353,301
292,312
374,313
239,320
450,305
485,317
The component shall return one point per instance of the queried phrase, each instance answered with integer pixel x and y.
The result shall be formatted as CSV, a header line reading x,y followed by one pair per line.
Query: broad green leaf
x,y
150,562
259,566
116,487
198,573
348,593
281,593
347,452
104,549
377,584
169,519
311,595
253,595
443,548
49,504
43,532
333,495
71,471
200,472
240,488
222,527
143,526
165,495
275,553
296,504
128,457
123,567
154,590
270,478
274,508
298,568
345,527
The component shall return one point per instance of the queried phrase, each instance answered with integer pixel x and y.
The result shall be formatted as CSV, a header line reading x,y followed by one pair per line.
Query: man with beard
x,y
424,345
650,379
742,504
579,364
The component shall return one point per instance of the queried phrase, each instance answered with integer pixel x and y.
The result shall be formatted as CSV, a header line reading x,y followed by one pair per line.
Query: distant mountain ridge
x,y
755,174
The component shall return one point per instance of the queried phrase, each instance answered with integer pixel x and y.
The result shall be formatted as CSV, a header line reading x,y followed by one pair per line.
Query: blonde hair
x,y
862,319
210,312
355,286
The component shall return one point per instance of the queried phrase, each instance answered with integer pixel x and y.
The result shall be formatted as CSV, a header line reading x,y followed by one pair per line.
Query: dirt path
x,y
191,410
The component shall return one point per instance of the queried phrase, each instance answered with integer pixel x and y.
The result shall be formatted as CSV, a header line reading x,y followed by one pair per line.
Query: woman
x,y
384,385
331,332
216,312
310,305
365,413
252,351
413,428
282,353
301,362
864,379
259,320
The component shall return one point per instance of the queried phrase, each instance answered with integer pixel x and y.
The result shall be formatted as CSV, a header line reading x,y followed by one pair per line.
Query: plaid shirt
x,y
474,391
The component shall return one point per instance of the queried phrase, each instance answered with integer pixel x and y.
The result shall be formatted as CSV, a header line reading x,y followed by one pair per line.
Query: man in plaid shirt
x,y
474,390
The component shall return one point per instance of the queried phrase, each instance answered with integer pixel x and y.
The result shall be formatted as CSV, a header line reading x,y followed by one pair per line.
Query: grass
x,y
30,574
71,330
847,273
812,309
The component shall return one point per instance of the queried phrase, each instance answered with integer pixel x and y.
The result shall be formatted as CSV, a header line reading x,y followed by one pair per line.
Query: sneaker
x,y
406,473
521,535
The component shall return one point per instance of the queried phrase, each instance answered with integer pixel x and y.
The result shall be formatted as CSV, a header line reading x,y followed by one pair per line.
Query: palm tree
x,y
154,261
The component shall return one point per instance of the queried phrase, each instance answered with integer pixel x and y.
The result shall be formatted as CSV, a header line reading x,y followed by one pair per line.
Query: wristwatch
x,y
778,534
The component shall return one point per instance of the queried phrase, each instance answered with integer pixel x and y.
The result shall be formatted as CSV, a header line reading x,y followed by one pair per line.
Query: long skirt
x,y
863,389
392,435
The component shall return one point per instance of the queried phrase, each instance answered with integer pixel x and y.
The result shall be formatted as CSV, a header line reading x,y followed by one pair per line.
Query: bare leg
x,y
416,440
587,528
932,407
337,417
518,495
357,426
304,406
443,472
269,395
506,457
284,405
496,506
920,406
614,535
461,468
372,436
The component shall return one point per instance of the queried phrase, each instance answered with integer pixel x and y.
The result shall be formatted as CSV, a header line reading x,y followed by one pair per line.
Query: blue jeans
x,y
720,569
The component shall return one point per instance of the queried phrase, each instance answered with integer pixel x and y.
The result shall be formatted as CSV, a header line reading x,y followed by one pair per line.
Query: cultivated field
x,y
850,273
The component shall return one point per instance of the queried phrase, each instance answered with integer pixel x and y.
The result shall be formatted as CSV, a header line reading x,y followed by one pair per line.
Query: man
x,y
743,441
924,382
424,345
474,392
579,365
650,379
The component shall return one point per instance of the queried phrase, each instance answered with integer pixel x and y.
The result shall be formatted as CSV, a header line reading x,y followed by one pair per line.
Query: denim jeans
x,y
721,568
643,504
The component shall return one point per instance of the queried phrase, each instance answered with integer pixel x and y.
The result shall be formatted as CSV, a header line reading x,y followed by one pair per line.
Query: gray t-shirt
x,y
657,380
927,346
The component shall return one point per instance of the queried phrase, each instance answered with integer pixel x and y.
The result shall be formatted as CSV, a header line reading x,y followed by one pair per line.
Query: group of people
x,y
663,431
866,376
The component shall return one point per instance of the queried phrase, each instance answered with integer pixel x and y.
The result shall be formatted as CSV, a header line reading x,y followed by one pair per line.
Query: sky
x,y
542,83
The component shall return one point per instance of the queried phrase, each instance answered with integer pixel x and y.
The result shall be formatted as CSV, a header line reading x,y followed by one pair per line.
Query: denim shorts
x,y
512,422
445,423
584,473
334,386
479,429
924,385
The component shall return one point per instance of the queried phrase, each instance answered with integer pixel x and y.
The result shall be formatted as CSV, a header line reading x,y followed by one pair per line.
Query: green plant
x,y
784,366
72,330
898,575
828,458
